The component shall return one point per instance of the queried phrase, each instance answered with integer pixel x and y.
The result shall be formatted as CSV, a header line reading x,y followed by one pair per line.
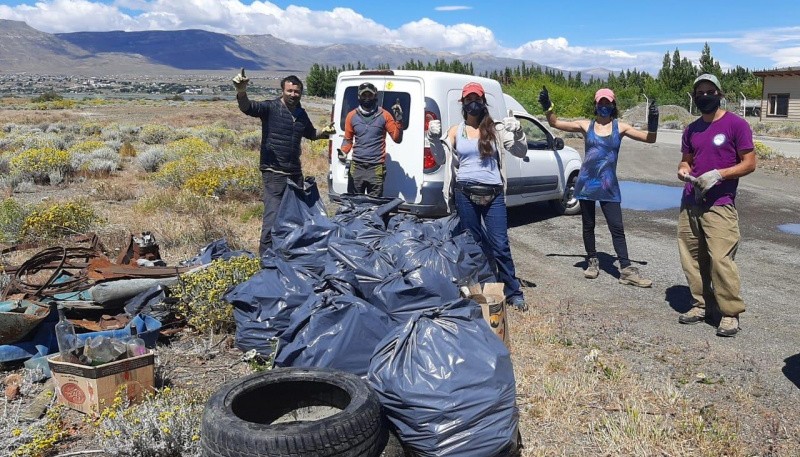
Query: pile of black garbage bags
x,y
375,293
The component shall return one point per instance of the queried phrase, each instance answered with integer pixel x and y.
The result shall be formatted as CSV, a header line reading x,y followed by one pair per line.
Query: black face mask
x,y
474,108
707,104
368,105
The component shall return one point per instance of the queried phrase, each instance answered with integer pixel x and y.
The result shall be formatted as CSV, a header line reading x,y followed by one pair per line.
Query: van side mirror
x,y
558,143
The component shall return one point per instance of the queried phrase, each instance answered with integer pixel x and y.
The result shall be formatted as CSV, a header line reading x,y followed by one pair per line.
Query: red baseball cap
x,y
604,93
472,88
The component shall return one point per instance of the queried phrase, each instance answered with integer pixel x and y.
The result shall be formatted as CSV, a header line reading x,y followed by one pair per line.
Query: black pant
x,y
613,213
274,187
366,178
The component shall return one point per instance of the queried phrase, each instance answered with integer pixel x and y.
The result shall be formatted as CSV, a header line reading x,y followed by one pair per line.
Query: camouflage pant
x,y
366,178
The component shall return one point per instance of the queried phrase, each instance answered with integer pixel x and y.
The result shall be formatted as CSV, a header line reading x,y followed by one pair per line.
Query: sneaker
x,y
518,302
592,269
728,326
693,316
630,276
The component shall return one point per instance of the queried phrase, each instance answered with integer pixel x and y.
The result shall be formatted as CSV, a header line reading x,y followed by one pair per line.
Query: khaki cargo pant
x,y
366,178
707,241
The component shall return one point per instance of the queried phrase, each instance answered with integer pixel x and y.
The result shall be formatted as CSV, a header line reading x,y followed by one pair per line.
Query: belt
x,y
481,190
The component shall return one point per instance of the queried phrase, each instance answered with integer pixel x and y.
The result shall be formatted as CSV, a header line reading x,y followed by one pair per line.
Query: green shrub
x,y
48,96
40,163
190,146
200,293
155,134
764,152
166,423
219,181
12,217
59,219
176,172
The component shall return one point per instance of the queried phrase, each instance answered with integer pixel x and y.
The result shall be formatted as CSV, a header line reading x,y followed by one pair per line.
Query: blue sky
x,y
572,35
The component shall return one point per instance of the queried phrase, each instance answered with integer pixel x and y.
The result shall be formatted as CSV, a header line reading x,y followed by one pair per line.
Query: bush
x,y
176,172
764,152
85,147
190,146
48,96
166,423
126,149
59,219
250,140
152,158
12,217
200,293
39,163
155,134
219,181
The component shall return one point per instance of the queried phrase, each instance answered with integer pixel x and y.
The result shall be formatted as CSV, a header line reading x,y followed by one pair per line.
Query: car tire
x,y
568,205
294,412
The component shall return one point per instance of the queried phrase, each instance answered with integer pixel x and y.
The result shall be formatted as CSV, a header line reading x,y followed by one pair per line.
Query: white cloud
x,y
557,52
452,8
459,38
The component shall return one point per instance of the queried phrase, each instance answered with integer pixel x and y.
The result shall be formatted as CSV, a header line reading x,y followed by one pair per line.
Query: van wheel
x,y
569,205
297,412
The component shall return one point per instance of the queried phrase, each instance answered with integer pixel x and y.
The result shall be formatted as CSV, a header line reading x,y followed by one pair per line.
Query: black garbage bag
x,y
373,211
152,302
337,279
447,384
333,331
402,293
217,249
439,229
263,304
369,264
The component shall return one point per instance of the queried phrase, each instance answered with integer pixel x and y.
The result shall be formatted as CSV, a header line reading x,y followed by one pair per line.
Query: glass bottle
x,y
65,336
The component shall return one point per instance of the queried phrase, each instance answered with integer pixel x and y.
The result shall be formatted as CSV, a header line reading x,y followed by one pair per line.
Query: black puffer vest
x,y
281,134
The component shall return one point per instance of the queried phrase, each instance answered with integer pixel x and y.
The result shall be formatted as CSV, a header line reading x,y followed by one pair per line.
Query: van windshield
x,y
385,99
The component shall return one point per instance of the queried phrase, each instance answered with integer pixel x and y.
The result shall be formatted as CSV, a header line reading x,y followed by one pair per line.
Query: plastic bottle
x,y
65,336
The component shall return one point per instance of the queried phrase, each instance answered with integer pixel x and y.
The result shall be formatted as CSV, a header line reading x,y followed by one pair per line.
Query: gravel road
x,y
763,359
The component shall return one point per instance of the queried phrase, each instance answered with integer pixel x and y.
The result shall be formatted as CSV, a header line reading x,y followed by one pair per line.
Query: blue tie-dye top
x,y
597,179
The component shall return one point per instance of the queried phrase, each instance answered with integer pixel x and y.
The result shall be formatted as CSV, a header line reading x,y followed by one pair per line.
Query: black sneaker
x,y
518,302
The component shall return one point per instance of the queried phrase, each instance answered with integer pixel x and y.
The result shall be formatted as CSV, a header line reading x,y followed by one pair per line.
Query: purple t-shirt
x,y
716,145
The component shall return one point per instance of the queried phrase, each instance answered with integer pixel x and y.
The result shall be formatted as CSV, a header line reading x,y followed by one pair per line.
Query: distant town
x,y
29,84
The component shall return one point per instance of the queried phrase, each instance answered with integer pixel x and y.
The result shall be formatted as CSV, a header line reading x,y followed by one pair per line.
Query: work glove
x,y
397,112
328,130
435,129
511,124
240,82
652,116
544,100
706,181
341,155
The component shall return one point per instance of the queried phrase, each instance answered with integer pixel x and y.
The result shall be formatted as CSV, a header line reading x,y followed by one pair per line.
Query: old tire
x,y
568,205
294,412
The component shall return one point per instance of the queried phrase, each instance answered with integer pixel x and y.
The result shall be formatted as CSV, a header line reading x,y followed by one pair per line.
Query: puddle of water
x,y
793,229
642,196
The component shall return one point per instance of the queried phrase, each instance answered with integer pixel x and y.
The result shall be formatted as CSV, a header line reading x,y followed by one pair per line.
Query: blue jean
x,y
489,226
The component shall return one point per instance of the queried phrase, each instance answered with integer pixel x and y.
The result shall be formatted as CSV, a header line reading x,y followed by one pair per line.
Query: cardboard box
x,y
493,305
91,389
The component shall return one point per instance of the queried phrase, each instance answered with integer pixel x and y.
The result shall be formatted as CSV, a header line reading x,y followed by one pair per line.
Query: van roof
x,y
433,77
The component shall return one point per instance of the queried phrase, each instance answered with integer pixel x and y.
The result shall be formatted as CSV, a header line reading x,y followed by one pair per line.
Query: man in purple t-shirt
x,y
717,150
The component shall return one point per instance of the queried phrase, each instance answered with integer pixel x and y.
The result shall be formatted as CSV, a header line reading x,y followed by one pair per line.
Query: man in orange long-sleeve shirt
x,y
365,130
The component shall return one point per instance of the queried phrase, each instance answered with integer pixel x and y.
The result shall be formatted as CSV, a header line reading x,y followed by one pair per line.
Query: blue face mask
x,y
604,110
474,108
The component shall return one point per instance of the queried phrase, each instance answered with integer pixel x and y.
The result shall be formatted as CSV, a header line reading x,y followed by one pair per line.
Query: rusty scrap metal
x,y
14,325
27,278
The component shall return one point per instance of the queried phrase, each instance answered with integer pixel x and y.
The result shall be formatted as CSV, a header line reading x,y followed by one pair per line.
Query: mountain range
x,y
25,49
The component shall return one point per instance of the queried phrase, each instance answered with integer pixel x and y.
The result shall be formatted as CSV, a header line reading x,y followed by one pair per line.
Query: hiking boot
x,y
630,275
592,269
693,316
518,302
728,326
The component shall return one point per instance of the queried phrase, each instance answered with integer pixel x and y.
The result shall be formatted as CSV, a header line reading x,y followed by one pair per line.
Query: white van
x,y
547,173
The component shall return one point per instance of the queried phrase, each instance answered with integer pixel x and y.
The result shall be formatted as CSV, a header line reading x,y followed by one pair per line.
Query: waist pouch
x,y
480,194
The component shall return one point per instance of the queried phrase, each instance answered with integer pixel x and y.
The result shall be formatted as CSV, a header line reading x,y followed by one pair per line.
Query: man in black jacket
x,y
283,124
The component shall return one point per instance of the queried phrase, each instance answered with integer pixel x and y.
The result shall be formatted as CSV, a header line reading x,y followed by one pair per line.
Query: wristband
x,y
550,110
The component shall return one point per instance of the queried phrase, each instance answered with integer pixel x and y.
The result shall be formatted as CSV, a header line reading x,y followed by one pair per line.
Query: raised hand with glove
x,y
434,129
544,100
240,82
652,116
512,125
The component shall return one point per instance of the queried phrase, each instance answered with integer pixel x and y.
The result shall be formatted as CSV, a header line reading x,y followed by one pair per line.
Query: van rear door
x,y
404,161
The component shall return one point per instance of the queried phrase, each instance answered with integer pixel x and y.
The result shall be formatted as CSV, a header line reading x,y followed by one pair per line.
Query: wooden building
x,y
780,99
